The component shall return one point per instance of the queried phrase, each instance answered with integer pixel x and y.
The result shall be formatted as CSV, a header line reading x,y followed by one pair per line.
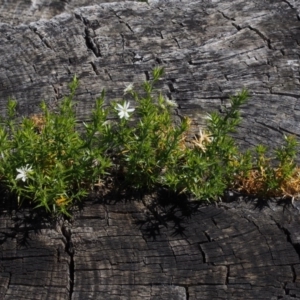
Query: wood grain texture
x,y
123,249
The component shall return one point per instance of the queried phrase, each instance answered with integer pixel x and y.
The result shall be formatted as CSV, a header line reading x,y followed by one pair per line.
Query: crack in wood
x,y
226,17
90,43
227,275
294,273
266,39
43,39
94,68
187,295
286,232
203,254
277,129
69,249
288,3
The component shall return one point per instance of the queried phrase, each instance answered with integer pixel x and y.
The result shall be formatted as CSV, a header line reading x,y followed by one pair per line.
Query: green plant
x,y
146,148
45,160
267,176
49,161
207,167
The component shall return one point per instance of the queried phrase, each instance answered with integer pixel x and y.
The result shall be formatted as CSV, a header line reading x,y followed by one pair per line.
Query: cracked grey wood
x,y
123,250
33,262
26,11
209,49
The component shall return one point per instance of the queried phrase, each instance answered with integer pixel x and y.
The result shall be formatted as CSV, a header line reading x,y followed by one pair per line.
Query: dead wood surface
x,y
133,250
149,250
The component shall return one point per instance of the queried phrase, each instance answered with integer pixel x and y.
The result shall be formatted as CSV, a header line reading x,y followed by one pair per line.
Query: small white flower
x,y
124,110
171,103
128,88
23,173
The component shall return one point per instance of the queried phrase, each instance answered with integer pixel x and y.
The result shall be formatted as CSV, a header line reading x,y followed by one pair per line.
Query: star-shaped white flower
x,y
124,110
23,173
128,88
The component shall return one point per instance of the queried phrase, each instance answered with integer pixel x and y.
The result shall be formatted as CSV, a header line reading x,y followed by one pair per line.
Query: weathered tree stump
x,y
134,250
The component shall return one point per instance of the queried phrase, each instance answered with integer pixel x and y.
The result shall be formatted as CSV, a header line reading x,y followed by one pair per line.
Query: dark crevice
x,y
242,234
122,22
288,237
70,250
34,68
177,43
123,41
171,87
285,94
106,72
80,18
267,40
128,26
56,92
89,41
231,19
158,60
208,237
214,221
147,75
285,289
268,126
226,17
161,268
203,254
284,130
187,295
258,229
94,68
227,275
9,281
46,43
236,26
43,39
288,3
294,274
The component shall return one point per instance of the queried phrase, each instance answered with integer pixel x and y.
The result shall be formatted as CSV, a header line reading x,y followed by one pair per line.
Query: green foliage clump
x,y
147,150
206,168
269,176
48,161
45,160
